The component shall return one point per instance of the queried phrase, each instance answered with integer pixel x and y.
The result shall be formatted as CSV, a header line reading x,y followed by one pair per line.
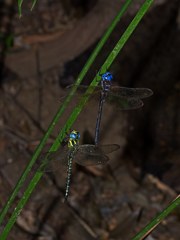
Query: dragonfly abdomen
x,y
69,170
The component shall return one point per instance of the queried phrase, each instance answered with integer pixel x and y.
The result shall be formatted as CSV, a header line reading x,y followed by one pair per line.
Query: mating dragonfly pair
x,y
87,154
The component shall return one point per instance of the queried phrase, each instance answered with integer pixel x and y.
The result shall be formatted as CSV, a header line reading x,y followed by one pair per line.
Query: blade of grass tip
x,y
74,115
20,7
150,226
33,4
62,108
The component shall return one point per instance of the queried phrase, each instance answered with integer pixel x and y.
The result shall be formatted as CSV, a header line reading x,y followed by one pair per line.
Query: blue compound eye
x,y
78,135
107,76
72,135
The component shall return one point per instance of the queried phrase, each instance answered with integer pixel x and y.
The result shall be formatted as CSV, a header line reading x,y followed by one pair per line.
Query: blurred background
x,y
41,54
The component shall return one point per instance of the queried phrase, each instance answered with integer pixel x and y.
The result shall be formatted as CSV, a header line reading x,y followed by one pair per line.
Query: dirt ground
x,y
48,48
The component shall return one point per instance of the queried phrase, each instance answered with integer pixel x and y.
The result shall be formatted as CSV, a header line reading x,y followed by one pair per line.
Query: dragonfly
x,y
125,98
84,155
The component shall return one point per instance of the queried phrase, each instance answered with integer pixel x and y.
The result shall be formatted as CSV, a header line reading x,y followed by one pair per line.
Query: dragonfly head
x,y
107,76
74,137
106,81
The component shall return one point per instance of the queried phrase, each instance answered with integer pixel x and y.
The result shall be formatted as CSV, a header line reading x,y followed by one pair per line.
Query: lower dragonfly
x,y
84,155
124,98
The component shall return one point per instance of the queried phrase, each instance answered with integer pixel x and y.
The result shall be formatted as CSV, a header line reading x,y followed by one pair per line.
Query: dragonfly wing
x,y
87,155
125,103
52,161
131,92
109,148
93,90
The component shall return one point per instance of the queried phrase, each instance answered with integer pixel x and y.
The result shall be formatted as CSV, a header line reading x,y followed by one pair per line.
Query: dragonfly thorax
x,y
74,137
106,81
72,143
106,85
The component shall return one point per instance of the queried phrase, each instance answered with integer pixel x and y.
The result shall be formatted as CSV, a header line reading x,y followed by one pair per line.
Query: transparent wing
x,y
125,103
128,98
82,89
93,155
84,155
90,155
94,91
123,98
109,148
124,92
116,91
52,161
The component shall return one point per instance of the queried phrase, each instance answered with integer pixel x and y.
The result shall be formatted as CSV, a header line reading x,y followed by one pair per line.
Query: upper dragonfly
x,y
124,98
84,155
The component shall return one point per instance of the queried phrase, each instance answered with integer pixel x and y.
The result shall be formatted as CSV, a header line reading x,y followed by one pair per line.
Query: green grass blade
x,y
150,226
22,202
33,4
20,7
62,108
